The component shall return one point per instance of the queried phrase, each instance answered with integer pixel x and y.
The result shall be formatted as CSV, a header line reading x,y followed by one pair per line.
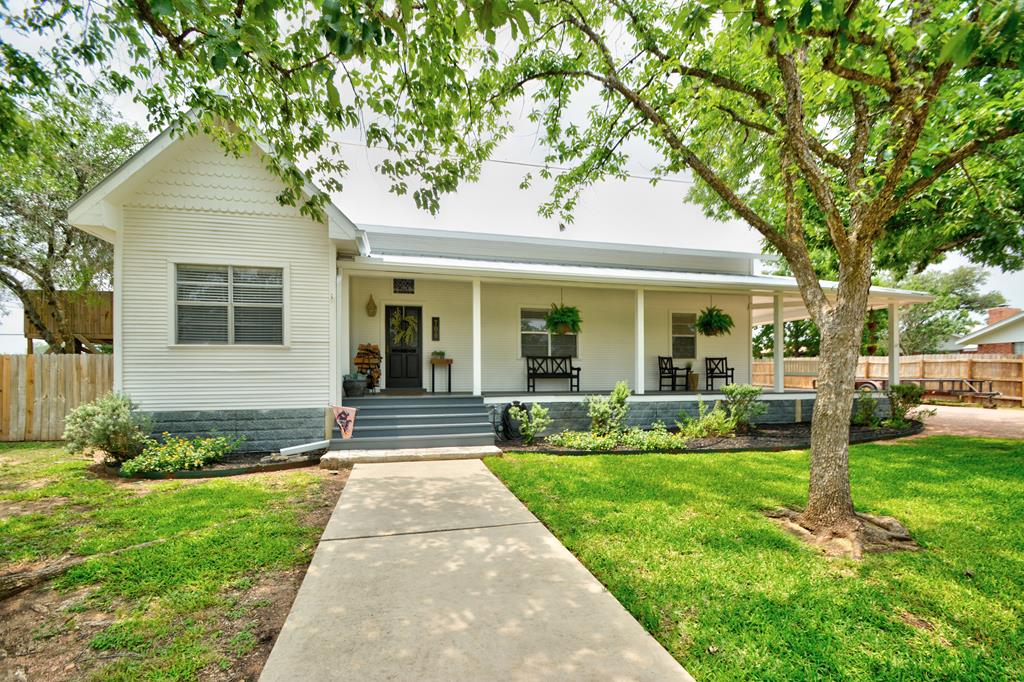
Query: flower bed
x,y
769,437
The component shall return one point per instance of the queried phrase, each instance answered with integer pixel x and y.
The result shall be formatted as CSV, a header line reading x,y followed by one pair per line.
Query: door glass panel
x,y
403,329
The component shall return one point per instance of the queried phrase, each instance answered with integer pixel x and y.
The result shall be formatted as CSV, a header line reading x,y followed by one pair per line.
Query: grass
x,y
169,600
681,541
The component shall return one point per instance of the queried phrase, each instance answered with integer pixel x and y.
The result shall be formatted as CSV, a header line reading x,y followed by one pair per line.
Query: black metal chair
x,y
669,373
718,368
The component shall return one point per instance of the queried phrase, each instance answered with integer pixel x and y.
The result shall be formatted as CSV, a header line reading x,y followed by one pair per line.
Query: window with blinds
x,y
535,339
226,304
684,335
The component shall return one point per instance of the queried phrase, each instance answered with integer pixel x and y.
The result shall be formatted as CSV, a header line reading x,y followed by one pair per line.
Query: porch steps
x,y
417,422
337,459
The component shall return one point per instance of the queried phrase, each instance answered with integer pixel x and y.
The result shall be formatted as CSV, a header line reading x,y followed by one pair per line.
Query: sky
x,y
630,210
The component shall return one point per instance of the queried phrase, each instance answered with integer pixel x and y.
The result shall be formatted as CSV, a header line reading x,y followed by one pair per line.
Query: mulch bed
x,y
768,437
237,465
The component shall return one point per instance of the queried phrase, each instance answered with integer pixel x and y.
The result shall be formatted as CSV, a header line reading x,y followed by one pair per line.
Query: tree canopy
x,y
69,149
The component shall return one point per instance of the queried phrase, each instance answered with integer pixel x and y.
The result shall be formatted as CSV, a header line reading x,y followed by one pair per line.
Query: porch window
x,y
535,339
684,335
226,304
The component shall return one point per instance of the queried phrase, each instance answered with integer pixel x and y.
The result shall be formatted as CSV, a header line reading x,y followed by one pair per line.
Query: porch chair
x,y
669,373
718,368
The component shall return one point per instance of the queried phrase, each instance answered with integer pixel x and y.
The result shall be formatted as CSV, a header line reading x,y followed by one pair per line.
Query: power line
x,y
540,166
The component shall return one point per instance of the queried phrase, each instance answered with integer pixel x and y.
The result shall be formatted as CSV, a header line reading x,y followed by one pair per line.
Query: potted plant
x,y
713,321
437,354
354,385
563,319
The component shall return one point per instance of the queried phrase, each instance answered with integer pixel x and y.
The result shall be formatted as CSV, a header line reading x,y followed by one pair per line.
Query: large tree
x,y
816,123
70,148
959,301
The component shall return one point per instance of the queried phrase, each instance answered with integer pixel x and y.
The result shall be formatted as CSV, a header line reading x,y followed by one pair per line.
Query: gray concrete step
x,y
363,430
336,459
406,441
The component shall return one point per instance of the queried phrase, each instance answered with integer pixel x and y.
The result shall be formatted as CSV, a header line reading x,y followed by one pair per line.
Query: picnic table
x,y
981,388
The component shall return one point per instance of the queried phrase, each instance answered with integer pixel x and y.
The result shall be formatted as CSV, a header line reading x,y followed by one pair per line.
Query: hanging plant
x,y
563,319
713,321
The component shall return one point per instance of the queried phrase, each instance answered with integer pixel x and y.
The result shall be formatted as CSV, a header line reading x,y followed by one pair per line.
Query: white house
x,y
1004,332
237,314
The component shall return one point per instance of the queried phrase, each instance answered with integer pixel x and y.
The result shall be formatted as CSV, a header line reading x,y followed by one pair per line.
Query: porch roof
x,y
761,288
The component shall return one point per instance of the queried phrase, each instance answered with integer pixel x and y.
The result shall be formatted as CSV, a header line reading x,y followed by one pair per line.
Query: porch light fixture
x,y
371,307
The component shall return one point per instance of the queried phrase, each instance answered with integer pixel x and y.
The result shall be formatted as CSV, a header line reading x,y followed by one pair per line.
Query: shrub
x,y
708,423
655,439
742,405
903,401
110,424
180,454
583,440
607,414
864,409
531,424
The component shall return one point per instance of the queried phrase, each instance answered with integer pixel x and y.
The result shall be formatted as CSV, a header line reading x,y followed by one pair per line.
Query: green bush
x,y
708,423
180,454
864,409
531,424
903,401
607,414
110,424
583,440
742,404
655,439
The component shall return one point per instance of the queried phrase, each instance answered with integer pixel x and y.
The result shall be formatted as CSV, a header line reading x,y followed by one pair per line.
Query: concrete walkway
x,y
435,571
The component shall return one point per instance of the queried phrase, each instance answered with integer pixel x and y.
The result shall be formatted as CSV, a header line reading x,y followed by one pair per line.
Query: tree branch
x,y
953,158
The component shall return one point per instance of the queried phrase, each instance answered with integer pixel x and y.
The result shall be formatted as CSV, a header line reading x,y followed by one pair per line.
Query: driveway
x,y
1007,422
435,571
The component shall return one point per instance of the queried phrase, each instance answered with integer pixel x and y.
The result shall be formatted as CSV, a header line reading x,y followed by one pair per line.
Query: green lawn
x,y
173,608
680,540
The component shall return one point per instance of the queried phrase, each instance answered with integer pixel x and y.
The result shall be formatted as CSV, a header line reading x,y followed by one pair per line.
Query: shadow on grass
x,y
681,541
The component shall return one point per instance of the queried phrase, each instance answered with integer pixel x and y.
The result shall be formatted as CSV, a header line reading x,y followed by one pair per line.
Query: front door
x,y
404,347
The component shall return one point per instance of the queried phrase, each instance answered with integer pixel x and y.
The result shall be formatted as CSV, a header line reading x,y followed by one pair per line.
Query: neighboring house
x,y
234,313
1003,334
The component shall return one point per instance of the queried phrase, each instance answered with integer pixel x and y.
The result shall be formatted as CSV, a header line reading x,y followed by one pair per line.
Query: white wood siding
x,y
202,207
449,300
735,346
605,343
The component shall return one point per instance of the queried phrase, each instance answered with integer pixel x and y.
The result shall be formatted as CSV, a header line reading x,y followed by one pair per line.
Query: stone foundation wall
x,y
573,416
264,430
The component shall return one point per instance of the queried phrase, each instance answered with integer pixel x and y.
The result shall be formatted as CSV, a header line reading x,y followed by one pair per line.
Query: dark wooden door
x,y
405,346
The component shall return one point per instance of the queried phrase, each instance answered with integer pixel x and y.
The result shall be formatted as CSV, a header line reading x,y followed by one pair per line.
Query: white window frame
x,y
172,303
520,332
671,335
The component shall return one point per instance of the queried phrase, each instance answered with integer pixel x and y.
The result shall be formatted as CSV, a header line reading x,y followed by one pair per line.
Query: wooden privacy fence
x,y
1006,372
38,391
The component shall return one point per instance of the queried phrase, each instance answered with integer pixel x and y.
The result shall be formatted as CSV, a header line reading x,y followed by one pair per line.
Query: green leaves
x,y
162,8
962,45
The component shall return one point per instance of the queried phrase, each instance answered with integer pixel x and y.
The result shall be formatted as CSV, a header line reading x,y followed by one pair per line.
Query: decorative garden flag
x,y
346,419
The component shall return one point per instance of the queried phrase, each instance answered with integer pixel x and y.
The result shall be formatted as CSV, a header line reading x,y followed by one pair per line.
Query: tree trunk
x,y
829,500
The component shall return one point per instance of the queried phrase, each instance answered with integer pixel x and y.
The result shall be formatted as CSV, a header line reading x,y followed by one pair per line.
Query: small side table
x,y
442,362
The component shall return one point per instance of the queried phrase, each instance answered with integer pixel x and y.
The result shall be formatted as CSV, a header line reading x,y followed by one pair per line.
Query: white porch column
x,y
477,341
344,320
639,372
779,346
894,344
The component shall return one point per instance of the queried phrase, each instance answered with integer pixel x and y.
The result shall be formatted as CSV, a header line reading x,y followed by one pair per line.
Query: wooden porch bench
x,y
551,367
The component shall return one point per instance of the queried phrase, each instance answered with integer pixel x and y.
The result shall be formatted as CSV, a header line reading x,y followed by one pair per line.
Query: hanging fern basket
x,y
563,319
713,321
